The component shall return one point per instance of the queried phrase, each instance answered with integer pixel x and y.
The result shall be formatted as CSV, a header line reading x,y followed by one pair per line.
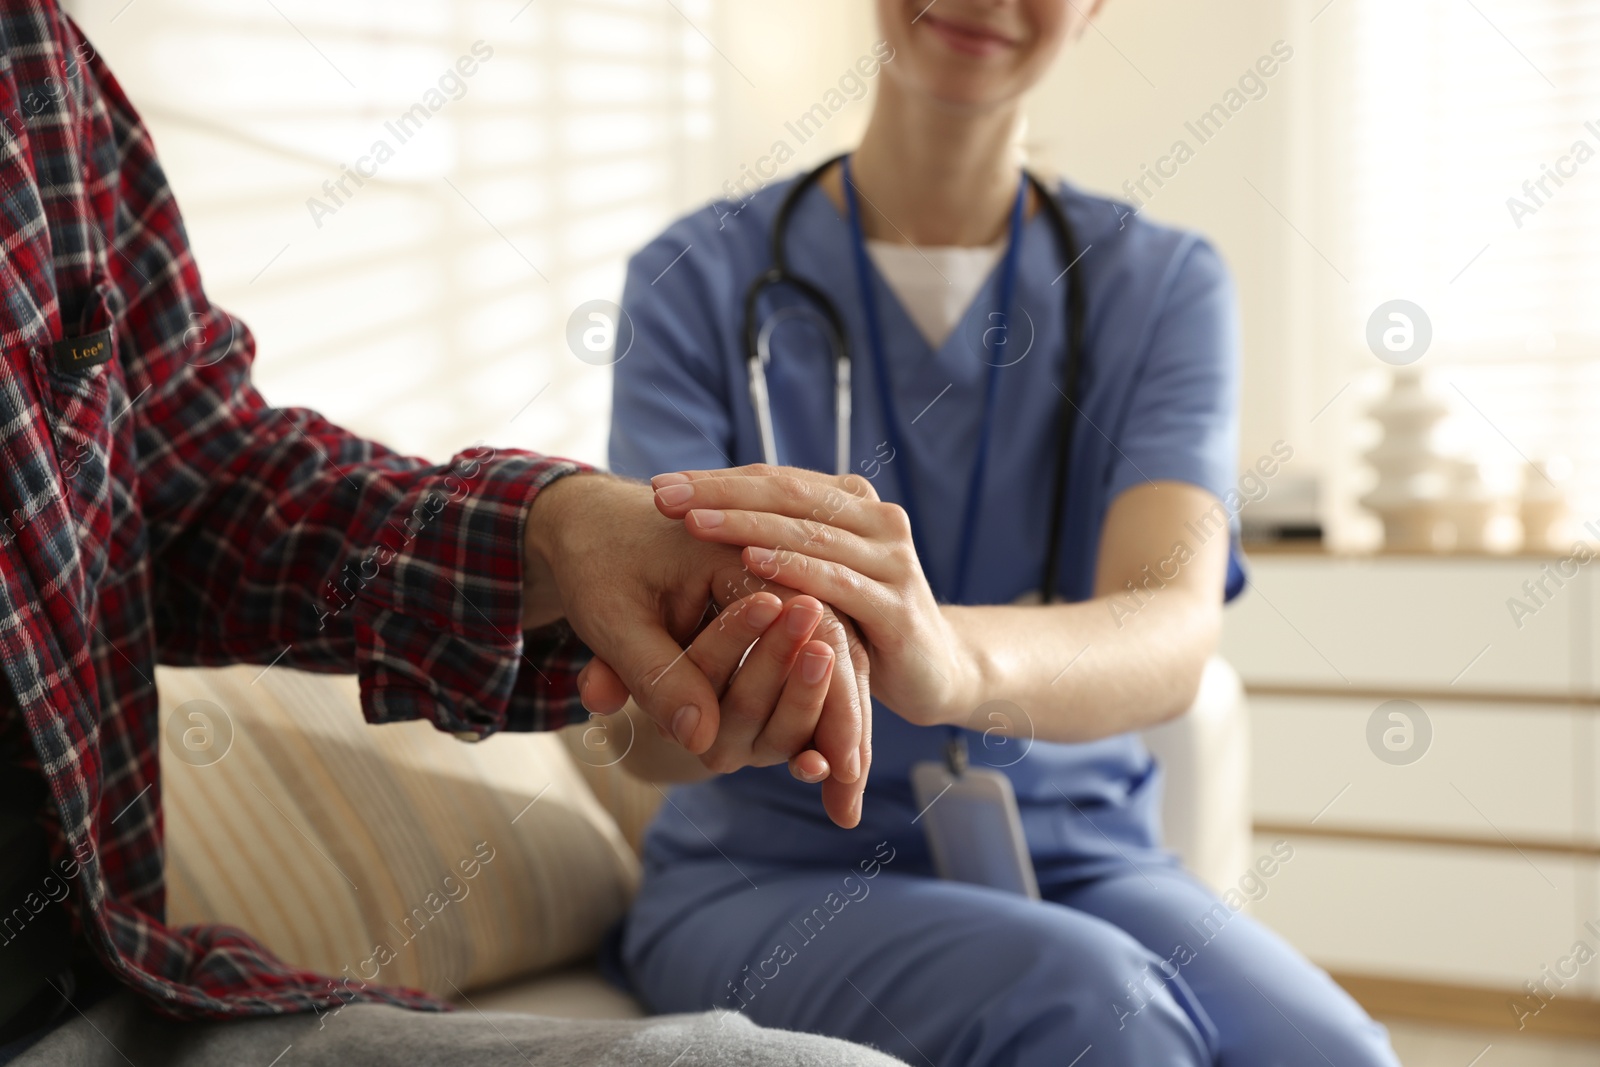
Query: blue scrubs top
x,y
1158,400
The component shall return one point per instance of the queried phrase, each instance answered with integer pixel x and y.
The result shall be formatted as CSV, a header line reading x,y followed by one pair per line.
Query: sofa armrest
x,y
1205,754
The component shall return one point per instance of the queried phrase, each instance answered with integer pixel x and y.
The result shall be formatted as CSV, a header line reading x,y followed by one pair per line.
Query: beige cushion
x,y
631,802
573,993
396,854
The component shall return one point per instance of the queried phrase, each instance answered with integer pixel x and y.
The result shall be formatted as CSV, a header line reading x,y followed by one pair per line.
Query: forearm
x,y
1084,671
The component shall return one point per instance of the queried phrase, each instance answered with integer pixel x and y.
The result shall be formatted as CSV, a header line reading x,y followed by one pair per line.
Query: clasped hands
x,y
759,683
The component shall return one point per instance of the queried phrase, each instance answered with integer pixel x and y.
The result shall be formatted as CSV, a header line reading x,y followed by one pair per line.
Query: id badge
x,y
973,827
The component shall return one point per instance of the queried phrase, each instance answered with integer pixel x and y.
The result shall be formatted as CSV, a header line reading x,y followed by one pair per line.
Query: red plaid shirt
x,y
156,510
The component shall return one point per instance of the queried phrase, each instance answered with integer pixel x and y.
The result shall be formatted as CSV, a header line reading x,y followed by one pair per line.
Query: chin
x,y
957,85
931,68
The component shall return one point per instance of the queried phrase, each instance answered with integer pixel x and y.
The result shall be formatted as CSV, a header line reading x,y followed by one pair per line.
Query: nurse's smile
x,y
968,38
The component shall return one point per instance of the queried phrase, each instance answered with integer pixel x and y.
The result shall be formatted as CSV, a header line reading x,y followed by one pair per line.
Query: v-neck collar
x,y
963,350
835,256
936,286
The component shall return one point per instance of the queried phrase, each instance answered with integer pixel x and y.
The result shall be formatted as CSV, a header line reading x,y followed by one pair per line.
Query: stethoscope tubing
x,y
758,353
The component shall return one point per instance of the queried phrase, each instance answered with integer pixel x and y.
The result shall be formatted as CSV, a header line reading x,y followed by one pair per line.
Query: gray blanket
x,y
119,1032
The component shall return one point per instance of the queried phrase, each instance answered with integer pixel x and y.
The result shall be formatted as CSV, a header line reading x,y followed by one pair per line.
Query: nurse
x,y
949,281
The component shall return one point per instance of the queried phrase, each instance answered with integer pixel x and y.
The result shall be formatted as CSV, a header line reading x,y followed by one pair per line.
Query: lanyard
x,y
993,339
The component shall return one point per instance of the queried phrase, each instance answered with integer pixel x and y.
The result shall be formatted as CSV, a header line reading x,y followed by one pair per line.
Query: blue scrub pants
x,y
1143,967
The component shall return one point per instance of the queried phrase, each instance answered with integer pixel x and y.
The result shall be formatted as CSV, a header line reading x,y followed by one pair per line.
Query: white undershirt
x,y
935,285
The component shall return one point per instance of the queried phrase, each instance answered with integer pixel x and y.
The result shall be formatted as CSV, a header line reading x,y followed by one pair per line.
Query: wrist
x,y
546,521
972,669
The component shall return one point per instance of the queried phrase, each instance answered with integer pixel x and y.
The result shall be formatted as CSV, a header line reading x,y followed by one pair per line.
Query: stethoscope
x,y
758,352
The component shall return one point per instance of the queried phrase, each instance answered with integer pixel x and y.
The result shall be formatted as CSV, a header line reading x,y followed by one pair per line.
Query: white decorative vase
x,y
1471,507
1545,513
1414,478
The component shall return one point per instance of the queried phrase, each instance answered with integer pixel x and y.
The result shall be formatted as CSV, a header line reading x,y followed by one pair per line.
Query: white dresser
x,y
1434,875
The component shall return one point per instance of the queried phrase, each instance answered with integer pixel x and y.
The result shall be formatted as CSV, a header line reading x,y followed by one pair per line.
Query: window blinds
x,y
407,202
1462,162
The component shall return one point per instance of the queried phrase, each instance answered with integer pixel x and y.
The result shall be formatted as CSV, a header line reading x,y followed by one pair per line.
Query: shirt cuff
x,y
442,639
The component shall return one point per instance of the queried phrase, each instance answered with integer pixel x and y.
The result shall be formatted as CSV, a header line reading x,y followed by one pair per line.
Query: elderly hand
x,y
770,678
636,589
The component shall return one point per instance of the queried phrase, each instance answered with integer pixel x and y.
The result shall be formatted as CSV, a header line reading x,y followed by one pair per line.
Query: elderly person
x,y
158,511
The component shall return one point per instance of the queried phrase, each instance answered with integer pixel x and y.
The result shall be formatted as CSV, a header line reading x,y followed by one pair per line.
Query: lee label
x,y
78,354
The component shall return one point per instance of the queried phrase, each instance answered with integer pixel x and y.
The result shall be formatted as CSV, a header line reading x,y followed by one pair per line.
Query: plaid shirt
x,y
156,510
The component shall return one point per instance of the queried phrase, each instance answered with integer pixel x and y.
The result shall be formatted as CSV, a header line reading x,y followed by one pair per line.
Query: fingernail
x,y
852,766
673,495
803,619
855,809
683,724
668,479
761,555
762,613
814,667
706,520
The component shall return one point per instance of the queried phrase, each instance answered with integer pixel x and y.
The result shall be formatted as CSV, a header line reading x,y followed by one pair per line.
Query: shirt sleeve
x,y
670,404
277,537
1182,419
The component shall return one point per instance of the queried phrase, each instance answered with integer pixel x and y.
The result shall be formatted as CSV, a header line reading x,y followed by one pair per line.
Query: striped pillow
x,y
395,854
631,802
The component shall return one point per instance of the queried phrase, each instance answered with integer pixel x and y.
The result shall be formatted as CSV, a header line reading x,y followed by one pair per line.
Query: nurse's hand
x,y
833,538
635,589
